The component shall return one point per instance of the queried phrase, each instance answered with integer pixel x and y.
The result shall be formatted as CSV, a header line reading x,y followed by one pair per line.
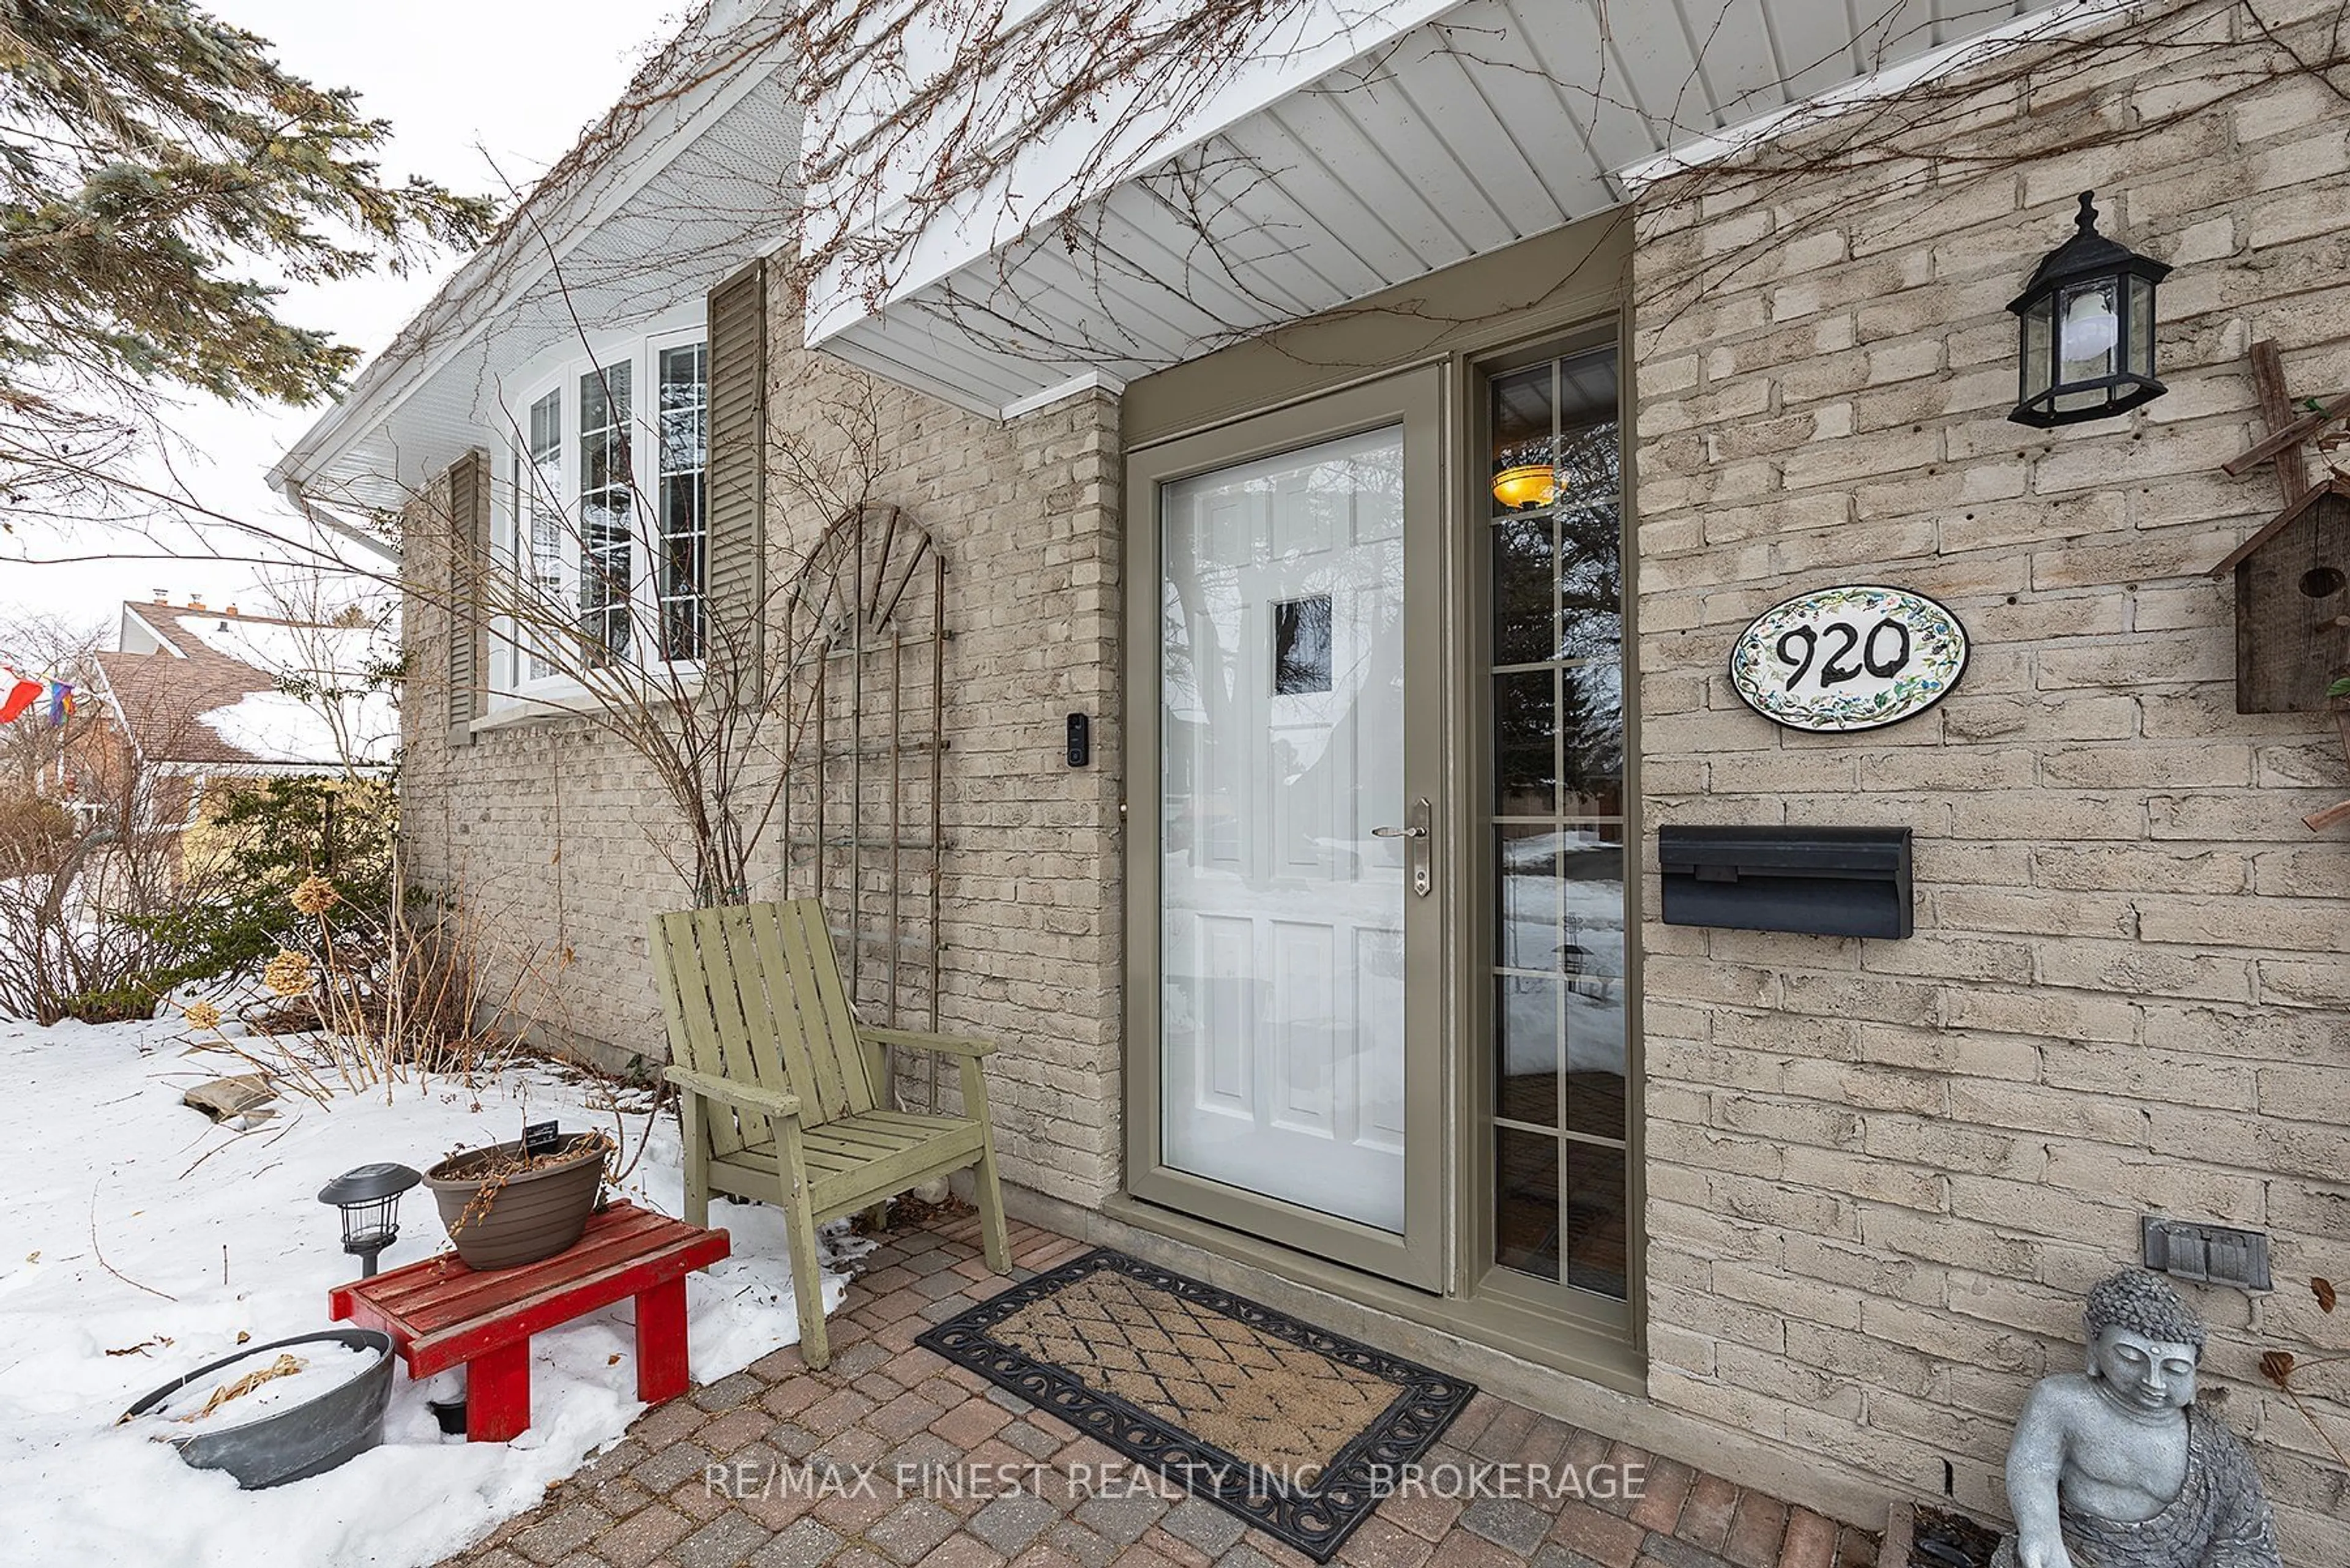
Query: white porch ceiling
x,y
1497,121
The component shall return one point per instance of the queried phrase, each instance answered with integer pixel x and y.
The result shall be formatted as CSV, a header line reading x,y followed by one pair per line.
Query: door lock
x,y
1423,879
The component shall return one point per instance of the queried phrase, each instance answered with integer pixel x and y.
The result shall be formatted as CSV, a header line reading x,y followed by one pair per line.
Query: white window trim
x,y
514,696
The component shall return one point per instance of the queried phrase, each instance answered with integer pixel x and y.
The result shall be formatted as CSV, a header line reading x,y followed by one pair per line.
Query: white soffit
x,y
1492,122
700,188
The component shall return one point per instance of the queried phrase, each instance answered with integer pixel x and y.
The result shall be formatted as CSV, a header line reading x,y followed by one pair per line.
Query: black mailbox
x,y
1825,881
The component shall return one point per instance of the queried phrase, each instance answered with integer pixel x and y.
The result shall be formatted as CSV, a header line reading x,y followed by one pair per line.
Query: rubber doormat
x,y
1289,1426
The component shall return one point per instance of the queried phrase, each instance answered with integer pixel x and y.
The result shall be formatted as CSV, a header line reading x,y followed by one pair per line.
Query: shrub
x,y
35,834
256,843
105,920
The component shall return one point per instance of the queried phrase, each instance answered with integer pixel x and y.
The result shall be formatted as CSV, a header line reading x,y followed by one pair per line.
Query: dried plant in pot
x,y
504,1207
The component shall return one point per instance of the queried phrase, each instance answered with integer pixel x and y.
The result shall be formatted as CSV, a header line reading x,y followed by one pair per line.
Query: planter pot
x,y
305,1439
532,1215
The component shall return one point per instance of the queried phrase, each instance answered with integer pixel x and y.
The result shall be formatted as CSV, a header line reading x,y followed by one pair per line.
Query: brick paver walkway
x,y
884,1403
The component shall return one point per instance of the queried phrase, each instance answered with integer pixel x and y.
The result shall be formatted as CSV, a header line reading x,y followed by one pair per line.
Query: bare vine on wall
x,y
2280,1366
1097,94
1989,113
940,115
1008,120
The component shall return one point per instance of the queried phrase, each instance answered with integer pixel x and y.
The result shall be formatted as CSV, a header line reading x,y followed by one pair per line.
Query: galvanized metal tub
x,y
300,1440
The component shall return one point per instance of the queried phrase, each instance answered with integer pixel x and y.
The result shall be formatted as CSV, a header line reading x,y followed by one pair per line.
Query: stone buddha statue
x,y
2118,1466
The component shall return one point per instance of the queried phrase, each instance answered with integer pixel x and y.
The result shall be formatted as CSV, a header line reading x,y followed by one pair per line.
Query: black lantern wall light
x,y
2088,330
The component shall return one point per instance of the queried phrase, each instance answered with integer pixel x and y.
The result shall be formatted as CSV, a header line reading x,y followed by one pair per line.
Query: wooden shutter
x,y
469,554
737,477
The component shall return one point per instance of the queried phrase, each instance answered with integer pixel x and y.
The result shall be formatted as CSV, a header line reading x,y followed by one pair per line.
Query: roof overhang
x,y
700,176
1402,138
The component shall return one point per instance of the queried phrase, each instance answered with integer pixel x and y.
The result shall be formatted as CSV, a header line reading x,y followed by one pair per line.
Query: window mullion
x,y
644,484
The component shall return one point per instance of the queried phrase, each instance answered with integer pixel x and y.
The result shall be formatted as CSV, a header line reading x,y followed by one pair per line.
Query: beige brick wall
x,y
562,831
1881,1173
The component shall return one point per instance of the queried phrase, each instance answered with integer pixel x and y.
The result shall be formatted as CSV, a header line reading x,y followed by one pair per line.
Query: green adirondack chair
x,y
786,1096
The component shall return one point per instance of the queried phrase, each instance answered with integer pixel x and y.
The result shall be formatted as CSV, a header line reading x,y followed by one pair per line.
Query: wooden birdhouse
x,y
2292,605
2292,577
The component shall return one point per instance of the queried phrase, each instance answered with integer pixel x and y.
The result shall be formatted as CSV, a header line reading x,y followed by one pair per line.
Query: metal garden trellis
x,y
868,614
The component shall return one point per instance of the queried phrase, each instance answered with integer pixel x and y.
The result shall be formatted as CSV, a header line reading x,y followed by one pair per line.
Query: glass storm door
x,y
1295,1080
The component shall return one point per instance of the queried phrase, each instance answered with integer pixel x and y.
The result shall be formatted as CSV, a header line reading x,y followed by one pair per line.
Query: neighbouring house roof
x,y
693,175
209,695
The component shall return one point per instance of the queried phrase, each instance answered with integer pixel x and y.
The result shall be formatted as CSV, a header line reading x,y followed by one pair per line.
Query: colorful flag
x,y
21,696
60,702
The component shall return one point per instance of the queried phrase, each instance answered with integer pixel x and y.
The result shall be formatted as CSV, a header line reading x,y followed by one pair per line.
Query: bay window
x,y
607,535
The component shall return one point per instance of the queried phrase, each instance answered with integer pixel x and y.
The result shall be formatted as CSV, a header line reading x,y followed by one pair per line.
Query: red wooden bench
x,y
441,1313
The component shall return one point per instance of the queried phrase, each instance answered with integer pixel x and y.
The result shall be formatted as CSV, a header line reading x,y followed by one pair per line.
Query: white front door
x,y
1295,844
1283,963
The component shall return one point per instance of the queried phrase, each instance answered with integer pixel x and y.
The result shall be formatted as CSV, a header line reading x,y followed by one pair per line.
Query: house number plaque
x,y
1848,658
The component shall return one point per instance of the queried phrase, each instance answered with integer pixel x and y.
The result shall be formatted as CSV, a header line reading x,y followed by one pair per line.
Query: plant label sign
x,y
1850,657
541,1138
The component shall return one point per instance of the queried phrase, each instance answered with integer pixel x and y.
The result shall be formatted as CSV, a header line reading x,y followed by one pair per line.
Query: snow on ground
x,y
226,1224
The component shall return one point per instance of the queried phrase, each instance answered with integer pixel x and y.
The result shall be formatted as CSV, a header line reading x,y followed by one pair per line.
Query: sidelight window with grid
x,y
539,490
608,505
1555,729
